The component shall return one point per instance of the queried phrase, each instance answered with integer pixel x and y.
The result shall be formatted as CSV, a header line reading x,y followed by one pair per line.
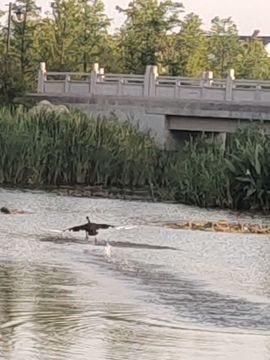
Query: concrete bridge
x,y
172,108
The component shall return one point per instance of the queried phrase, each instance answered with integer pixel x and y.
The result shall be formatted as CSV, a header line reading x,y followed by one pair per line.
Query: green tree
x,y
110,56
144,33
67,24
10,81
23,30
2,35
80,34
44,47
189,49
92,36
224,46
254,61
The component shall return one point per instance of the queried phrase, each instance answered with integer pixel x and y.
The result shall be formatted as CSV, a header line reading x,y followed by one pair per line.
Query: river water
x,y
158,294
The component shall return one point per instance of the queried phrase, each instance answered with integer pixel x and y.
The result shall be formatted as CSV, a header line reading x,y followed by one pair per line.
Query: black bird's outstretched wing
x,y
79,227
103,226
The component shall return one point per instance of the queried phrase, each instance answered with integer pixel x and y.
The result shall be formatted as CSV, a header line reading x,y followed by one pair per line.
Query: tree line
x,y
75,34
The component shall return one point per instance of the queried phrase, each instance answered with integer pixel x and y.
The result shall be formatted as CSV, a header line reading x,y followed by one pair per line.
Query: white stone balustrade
x,y
152,85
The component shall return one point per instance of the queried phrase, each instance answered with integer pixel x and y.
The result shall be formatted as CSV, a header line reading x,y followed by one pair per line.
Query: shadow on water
x,y
118,244
191,302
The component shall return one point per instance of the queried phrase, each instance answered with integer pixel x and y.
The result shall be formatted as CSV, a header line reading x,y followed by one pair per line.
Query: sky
x,y
248,14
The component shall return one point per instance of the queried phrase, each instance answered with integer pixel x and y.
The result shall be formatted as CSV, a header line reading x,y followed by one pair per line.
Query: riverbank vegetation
x,y
42,149
153,32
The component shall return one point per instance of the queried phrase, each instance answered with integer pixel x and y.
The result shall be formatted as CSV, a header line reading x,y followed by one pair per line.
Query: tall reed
x,y
248,168
67,149
46,148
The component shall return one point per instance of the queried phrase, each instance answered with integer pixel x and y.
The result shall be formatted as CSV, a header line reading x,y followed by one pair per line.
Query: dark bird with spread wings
x,y
90,228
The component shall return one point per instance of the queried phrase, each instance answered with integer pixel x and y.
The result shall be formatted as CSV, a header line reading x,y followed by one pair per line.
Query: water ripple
x,y
160,292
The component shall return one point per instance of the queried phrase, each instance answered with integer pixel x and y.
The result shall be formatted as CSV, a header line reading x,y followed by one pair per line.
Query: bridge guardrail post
x,y
229,85
150,76
206,81
67,81
209,78
41,77
203,83
257,95
93,78
177,89
101,75
203,78
120,87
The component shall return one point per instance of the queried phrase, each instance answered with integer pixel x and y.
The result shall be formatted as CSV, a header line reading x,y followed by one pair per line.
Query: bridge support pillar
x,y
170,142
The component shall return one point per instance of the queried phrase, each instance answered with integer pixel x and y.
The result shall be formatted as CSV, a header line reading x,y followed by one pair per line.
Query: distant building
x,y
264,38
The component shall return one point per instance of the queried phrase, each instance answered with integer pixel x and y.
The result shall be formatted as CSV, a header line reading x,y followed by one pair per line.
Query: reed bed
x,y
46,148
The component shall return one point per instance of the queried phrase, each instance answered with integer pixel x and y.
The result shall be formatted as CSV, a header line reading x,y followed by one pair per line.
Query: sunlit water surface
x,y
158,294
